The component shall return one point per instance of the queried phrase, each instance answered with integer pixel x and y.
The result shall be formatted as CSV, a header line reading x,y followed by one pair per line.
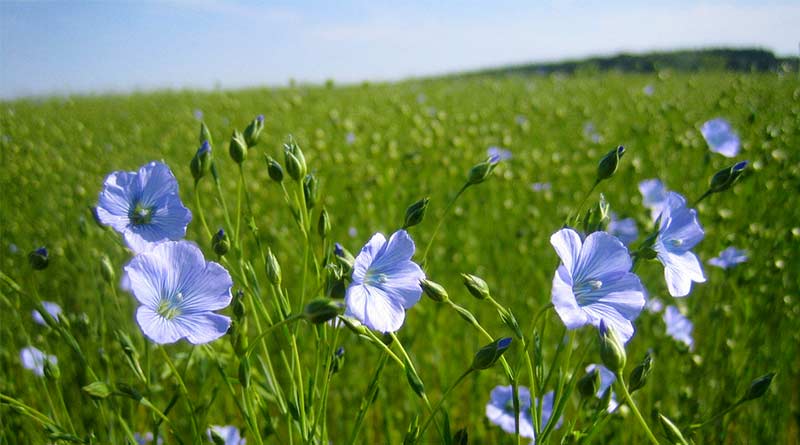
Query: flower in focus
x,y
178,290
143,206
720,137
624,229
497,154
500,410
729,258
678,326
594,282
385,282
607,379
33,359
230,434
654,196
679,232
53,309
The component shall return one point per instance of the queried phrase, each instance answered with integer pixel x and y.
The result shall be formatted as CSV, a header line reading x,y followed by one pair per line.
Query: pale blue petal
x,y
547,409
207,290
399,249
230,434
680,270
564,301
654,194
202,327
367,256
114,203
374,308
499,413
680,228
403,284
33,359
155,181
612,318
729,258
52,308
720,137
567,244
157,328
602,256
146,277
624,229
678,326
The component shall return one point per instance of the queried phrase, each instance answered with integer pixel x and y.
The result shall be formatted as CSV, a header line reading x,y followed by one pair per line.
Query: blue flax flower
x,y
607,378
143,206
594,282
229,434
720,137
178,290
500,410
654,196
678,326
624,229
385,282
729,258
679,232
33,359
53,309
497,154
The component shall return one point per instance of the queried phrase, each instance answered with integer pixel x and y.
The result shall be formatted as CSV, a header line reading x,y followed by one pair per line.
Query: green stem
x,y
623,389
369,395
200,212
441,401
716,416
441,219
583,201
184,392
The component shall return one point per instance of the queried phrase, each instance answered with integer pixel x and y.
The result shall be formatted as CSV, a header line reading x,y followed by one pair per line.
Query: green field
x,y
414,139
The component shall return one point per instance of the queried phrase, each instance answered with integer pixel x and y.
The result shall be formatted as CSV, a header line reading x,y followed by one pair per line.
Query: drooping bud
x,y
589,383
310,189
273,268
510,321
758,387
253,131
323,224
338,360
294,160
205,134
238,305
274,169
343,255
51,370
415,213
479,172
476,286
612,350
39,259
413,380
727,177
238,147
434,291
674,435
220,242
321,310
488,355
608,165
639,375
201,162
334,281
107,269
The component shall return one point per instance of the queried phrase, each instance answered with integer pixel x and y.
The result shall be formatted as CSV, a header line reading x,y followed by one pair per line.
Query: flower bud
x,y
608,165
343,255
321,310
480,172
244,371
201,162
220,242
238,305
488,355
334,281
253,131
205,134
354,325
476,286
612,350
216,438
51,370
597,217
674,435
413,380
758,387
415,213
98,390
310,189
510,321
39,259
323,224
640,373
273,268
274,169
434,291
412,434
294,160
338,360
107,269
725,178
589,383
238,147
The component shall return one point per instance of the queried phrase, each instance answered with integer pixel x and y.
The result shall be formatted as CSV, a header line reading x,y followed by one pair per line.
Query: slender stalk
x,y
623,389
369,395
184,392
717,416
441,219
583,201
199,209
444,397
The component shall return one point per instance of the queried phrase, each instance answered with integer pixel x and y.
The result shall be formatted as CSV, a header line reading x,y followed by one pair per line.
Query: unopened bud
x,y
205,134
674,435
608,165
51,370
107,269
294,160
589,383
639,375
413,380
488,355
480,172
310,189
238,147
727,177
415,213
274,169
434,291
334,281
338,360
201,162
758,387
612,350
39,259
273,268
98,390
238,305
216,438
220,242
321,310
323,224
343,255
253,131
476,286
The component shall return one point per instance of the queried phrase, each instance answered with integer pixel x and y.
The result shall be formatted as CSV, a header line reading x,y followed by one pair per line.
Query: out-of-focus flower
x,y
720,137
654,196
541,186
179,290
230,434
53,309
678,326
679,232
385,282
143,206
500,410
624,229
33,359
350,139
729,257
648,90
497,154
594,282
607,378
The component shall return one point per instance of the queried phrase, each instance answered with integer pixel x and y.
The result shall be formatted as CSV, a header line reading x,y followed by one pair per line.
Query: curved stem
x,y
441,219
200,211
623,389
184,392
444,397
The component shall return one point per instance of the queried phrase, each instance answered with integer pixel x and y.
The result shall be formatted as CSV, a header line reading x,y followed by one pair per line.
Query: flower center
x,y
585,287
170,307
676,242
372,278
141,215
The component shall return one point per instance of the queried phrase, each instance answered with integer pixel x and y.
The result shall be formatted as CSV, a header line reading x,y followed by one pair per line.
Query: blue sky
x,y
80,46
